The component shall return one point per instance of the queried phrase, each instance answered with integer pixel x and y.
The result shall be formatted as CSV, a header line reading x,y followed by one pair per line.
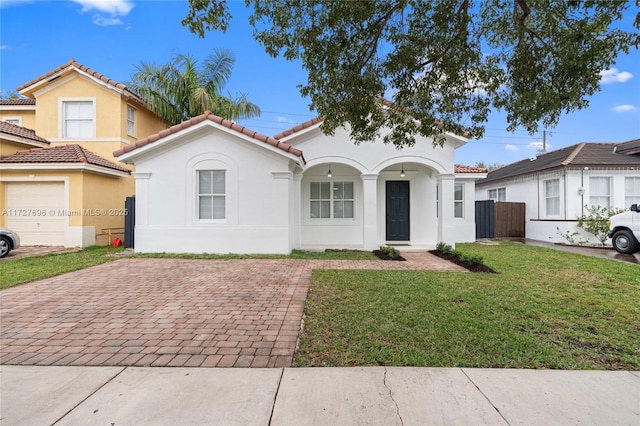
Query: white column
x,y
142,198
296,236
446,223
370,211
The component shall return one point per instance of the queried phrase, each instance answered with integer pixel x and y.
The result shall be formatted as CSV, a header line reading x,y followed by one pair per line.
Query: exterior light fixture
x,y
329,172
402,171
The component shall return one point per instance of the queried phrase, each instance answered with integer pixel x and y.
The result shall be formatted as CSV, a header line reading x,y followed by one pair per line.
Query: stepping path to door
x,y
169,312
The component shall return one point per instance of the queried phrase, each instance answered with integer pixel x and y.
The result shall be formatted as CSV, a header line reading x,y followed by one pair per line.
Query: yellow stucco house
x,y
59,182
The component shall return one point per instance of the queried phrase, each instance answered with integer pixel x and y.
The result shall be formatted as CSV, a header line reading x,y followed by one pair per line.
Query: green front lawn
x,y
545,309
28,269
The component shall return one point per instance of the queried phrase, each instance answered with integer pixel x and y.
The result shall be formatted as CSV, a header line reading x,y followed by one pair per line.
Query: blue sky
x,y
113,36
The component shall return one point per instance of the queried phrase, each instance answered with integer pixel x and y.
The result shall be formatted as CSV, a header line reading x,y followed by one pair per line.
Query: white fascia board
x,y
17,107
456,140
300,132
24,141
63,166
475,176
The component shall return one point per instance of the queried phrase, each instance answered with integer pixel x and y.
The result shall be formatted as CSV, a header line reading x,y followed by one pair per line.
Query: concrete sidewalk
x,y
315,396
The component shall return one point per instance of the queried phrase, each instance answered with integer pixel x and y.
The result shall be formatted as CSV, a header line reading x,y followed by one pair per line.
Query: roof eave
x,y
93,168
26,141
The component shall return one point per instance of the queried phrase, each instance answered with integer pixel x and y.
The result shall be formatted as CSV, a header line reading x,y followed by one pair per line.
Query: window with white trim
x,y
631,191
552,197
498,194
600,191
78,119
331,200
211,195
131,121
458,200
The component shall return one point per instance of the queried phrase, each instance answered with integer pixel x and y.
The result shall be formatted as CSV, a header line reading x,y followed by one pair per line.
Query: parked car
x,y
9,240
624,230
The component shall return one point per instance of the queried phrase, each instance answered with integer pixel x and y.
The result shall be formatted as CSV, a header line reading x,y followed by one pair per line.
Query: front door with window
x,y
397,210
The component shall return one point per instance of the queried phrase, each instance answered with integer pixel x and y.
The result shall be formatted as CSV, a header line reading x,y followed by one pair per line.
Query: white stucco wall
x,y
257,197
268,192
530,190
423,164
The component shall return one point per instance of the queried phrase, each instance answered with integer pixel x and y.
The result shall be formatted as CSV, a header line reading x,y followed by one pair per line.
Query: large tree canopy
x,y
181,89
445,64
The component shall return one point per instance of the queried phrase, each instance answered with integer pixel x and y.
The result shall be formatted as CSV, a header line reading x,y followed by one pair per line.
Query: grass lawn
x,y
28,269
545,309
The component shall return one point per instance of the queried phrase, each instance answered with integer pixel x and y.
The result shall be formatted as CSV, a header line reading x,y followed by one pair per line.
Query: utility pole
x,y
544,141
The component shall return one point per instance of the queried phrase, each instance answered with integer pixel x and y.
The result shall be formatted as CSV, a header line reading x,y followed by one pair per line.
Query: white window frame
x,y
594,194
131,121
631,191
332,200
13,120
458,202
548,197
210,195
63,120
497,194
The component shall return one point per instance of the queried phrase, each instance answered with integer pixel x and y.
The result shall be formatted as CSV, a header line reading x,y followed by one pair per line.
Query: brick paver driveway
x,y
168,312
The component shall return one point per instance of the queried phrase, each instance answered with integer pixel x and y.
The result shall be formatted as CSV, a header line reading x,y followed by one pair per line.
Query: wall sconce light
x,y
581,191
329,172
402,171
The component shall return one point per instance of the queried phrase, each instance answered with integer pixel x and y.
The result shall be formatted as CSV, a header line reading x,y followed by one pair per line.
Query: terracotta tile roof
x,y
586,154
21,101
298,128
214,118
461,168
20,131
73,63
70,153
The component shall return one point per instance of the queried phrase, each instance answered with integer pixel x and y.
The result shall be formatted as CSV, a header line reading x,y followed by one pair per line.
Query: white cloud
x,y
612,75
511,148
538,146
624,108
284,120
105,22
113,7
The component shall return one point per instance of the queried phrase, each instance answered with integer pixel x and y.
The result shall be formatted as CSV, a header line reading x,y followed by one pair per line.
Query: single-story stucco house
x,y
210,185
559,186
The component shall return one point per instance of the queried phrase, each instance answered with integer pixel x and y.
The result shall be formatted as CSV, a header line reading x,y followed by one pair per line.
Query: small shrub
x,y
573,237
475,259
391,251
596,220
443,247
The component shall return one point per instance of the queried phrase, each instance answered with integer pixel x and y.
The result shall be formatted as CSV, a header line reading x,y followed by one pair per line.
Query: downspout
x,y
538,203
566,201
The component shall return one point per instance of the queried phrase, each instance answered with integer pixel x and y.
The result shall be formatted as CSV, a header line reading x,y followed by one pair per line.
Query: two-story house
x,y
59,182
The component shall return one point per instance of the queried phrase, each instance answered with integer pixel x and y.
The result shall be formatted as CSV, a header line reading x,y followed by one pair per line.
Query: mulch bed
x,y
454,258
384,256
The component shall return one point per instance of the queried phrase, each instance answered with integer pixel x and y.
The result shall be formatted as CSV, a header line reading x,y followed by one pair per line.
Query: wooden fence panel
x,y
509,219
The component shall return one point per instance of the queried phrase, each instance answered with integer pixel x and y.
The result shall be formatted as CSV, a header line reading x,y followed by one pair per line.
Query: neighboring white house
x,y
209,185
558,185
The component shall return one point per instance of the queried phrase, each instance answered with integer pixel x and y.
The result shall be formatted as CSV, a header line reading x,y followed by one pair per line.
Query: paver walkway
x,y
169,312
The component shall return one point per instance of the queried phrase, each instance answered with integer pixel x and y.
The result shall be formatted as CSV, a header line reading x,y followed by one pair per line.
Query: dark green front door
x,y
397,210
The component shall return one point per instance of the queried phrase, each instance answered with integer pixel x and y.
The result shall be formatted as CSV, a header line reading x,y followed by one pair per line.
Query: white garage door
x,y
34,212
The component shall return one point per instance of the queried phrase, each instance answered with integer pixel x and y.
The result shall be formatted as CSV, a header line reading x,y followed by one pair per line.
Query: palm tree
x,y
180,90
